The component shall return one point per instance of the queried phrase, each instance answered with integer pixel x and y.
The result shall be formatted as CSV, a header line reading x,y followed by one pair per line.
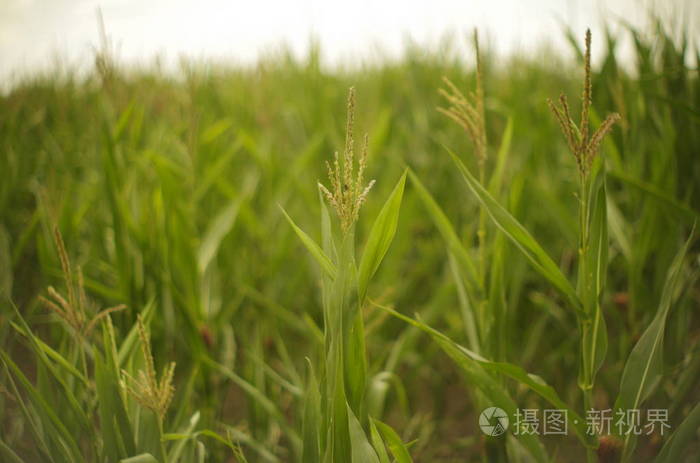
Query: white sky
x,y
33,33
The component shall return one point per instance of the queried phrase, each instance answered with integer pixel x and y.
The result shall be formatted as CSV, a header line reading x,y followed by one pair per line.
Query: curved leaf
x,y
684,435
362,450
448,233
464,356
396,445
312,247
380,237
645,363
514,230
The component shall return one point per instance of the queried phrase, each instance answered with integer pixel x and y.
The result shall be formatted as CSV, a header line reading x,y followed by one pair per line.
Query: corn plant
x,y
584,299
92,379
337,425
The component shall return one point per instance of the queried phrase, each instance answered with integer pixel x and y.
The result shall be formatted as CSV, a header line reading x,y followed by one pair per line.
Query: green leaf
x,y
378,443
31,418
497,306
656,193
362,450
256,395
53,426
327,242
501,158
10,456
216,129
449,235
356,365
491,388
396,445
66,389
378,388
132,338
380,237
50,352
312,247
519,236
105,408
5,264
684,435
243,438
311,432
644,366
115,427
142,458
217,230
592,277
471,360
187,434
469,317
339,422
618,228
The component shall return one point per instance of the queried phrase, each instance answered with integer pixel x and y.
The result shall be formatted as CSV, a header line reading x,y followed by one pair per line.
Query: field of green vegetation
x,y
189,274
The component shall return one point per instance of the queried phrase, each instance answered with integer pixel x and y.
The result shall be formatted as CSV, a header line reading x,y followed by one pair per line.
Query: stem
x,y
481,236
481,233
587,364
159,419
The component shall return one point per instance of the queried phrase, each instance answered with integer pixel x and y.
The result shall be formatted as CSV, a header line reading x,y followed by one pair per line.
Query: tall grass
x,y
296,311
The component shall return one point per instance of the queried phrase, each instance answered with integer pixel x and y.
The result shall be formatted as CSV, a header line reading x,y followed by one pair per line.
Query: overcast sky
x,y
34,32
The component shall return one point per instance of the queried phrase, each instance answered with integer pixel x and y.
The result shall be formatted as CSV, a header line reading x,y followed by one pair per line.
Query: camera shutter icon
x,y
493,421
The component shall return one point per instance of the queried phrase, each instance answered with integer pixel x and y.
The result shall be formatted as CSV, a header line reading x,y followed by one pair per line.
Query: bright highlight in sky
x,y
34,33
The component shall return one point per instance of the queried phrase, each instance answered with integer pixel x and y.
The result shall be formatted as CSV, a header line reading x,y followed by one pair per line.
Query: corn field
x,y
419,260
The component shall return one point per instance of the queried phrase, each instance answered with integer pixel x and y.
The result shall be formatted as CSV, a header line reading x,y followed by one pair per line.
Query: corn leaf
x,y
684,435
378,443
592,276
142,458
479,378
311,432
362,450
468,359
51,423
217,230
396,445
9,455
5,264
537,256
644,366
501,157
380,237
316,252
448,233
132,338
